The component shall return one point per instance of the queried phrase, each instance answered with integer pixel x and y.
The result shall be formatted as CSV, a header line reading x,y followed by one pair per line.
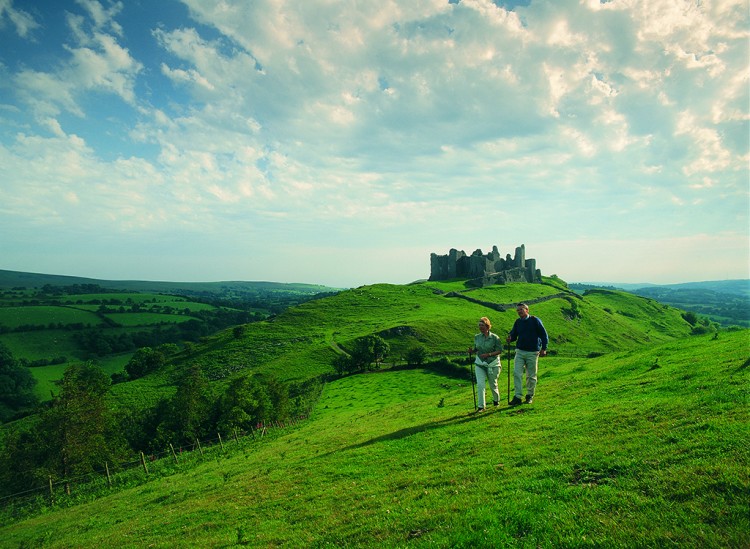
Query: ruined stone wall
x,y
485,269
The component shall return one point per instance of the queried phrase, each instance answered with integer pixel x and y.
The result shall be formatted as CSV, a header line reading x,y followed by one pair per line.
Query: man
x,y
532,343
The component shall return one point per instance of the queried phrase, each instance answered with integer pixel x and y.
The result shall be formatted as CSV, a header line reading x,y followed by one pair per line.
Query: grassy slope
x,y
615,452
303,341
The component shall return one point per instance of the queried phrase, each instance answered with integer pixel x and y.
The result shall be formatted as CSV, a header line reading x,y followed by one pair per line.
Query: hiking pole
x,y
473,389
508,373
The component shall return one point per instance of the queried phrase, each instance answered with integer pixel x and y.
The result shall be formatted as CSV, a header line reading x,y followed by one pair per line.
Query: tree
x,y
144,360
416,355
690,317
78,422
190,406
369,349
245,403
343,364
278,392
16,385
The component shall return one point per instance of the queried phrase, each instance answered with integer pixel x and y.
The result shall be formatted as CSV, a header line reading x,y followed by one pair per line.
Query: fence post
x,y
173,454
235,436
198,442
109,478
51,493
143,461
221,442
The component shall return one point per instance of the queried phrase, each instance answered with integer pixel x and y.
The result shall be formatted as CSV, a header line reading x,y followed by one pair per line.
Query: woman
x,y
487,366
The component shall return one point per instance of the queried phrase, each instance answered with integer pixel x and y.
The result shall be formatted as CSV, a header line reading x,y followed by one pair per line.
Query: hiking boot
x,y
496,403
480,410
529,399
516,401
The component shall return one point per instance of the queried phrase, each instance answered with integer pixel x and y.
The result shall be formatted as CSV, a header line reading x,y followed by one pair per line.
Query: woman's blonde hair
x,y
487,322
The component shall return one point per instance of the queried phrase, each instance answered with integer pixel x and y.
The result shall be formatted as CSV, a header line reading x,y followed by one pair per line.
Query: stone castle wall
x,y
485,269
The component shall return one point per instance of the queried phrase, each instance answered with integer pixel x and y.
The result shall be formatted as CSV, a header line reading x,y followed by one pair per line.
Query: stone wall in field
x,y
485,269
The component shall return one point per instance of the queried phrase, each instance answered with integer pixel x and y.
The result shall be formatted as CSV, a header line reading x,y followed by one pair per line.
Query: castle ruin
x,y
485,269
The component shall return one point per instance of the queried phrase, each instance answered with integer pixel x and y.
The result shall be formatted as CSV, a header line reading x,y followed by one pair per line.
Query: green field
x,y
613,453
54,330
43,315
638,436
146,319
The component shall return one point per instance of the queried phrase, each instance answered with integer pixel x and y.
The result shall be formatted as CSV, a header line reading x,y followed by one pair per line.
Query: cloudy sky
x,y
340,142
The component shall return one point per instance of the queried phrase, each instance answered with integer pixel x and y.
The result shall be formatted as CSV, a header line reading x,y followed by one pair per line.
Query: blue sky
x,y
341,142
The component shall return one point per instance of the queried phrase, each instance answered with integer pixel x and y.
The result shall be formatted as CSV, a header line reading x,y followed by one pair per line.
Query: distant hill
x,y
724,301
18,279
51,321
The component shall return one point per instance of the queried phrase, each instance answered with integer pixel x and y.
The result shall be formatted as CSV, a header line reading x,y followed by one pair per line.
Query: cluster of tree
x,y
73,326
701,325
16,386
273,301
74,289
77,433
368,353
62,359
102,341
148,359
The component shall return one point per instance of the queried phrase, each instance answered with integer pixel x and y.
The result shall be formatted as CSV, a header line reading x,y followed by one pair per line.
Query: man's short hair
x,y
522,305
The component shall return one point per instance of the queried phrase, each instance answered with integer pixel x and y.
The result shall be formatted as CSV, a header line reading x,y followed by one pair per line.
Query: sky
x,y
341,142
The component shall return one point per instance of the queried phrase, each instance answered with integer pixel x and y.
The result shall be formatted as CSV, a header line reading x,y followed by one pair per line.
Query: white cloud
x,y
411,119
96,63
22,21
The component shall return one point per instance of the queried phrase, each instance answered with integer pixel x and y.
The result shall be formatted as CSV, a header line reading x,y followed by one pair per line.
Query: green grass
x,y
41,344
47,377
623,450
43,315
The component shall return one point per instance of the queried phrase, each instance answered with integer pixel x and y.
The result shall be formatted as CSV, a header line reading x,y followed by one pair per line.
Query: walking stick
x,y
509,373
473,389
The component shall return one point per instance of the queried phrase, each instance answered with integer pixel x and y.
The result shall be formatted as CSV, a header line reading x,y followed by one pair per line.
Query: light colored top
x,y
488,344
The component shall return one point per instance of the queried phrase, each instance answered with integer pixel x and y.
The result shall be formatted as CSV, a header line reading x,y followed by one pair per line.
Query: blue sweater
x,y
530,334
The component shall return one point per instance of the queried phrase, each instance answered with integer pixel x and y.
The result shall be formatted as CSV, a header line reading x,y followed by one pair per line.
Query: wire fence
x,y
72,490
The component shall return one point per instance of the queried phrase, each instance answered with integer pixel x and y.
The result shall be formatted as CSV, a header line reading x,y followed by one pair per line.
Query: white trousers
x,y
487,375
530,361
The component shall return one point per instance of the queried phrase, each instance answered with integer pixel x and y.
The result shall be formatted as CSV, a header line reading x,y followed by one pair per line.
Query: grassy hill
x,y
637,437
302,342
433,315
642,447
225,290
726,302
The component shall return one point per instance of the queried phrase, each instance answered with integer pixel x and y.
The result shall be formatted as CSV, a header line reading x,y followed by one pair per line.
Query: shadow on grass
x,y
455,420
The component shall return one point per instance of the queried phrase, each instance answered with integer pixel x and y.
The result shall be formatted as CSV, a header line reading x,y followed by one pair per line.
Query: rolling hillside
x,y
643,447
637,436
302,342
